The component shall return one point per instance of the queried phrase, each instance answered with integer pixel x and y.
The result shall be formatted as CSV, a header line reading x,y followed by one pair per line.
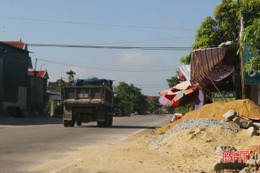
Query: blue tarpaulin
x,y
80,82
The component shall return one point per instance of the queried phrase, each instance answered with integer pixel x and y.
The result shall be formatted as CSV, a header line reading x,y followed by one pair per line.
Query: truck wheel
x,y
65,123
71,123
79,123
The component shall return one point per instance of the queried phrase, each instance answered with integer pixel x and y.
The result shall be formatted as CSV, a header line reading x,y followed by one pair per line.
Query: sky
x,y
128,23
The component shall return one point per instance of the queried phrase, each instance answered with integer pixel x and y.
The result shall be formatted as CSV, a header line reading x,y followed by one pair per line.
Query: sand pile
x,y
196,148
245,108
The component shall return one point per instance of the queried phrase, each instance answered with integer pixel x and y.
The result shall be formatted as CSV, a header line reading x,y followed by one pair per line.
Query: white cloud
x,y
136,58
173,23
81,73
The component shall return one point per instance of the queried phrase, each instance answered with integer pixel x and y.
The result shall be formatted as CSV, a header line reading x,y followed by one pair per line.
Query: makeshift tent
x,y
206,63
203,61
179,95
183,98
184,72
178,87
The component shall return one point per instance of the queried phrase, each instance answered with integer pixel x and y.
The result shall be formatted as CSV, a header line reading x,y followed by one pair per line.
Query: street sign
x,y
229,95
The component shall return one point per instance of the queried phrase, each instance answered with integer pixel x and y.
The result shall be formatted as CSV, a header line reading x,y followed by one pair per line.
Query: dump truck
x,y
88,100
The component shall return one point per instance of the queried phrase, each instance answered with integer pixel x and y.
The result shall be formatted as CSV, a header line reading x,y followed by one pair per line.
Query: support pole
x,y
242,57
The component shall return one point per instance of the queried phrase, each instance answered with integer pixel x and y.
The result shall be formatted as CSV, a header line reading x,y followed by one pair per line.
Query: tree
x,y
186,59
61,83
173,81
129,99
154,105
250,10
208,35
70,77
227,19
225,26
251,36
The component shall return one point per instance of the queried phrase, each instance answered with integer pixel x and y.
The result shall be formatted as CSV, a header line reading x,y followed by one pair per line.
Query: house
x,y
53,86
37,85
40,74
54,97
14,64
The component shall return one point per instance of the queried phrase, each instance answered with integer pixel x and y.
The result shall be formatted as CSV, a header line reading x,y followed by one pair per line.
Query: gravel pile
x,y
193,123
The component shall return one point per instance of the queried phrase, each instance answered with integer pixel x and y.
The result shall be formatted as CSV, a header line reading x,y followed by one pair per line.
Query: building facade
x,y
14,64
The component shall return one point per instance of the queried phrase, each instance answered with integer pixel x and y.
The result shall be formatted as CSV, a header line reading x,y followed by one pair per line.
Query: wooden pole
x,y
242,57
210,78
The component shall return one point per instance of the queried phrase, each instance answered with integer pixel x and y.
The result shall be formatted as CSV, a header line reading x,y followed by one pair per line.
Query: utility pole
x,y
242,56
241,29
35,64
35,72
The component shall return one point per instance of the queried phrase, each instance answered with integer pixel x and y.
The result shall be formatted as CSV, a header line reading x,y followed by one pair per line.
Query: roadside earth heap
x,y
247,161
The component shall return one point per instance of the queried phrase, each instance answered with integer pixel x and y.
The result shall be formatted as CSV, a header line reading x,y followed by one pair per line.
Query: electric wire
x,y
111,47
94,24
104,69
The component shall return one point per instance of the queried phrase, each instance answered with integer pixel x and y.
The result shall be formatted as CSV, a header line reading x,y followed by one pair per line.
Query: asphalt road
x,y
25,147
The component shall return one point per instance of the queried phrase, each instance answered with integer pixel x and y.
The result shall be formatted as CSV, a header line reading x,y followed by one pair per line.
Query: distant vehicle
x,y
88,100
117,112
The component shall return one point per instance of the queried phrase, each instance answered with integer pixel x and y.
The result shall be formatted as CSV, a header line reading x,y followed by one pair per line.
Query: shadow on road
x,y
120,127
5,120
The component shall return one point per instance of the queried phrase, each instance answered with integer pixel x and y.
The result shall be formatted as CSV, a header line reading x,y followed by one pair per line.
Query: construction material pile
x,y
245,108
192,123
193,139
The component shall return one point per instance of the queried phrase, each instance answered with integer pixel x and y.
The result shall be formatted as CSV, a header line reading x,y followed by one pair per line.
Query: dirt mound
x,y
245,108
196,148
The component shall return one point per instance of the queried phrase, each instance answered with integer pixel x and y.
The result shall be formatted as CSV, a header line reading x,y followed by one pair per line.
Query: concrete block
x,y
243,123
219,165
251,131
256,125
229,115
220,149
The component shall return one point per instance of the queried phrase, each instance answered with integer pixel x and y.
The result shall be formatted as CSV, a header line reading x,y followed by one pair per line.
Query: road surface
x,y
25,147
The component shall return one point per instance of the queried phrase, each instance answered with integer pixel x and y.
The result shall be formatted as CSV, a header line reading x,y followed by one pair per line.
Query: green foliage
x,y
129,99
70,82
184,109
153,105
251,36
227,19
61,83
225,26
186,59
250,10
253,63
207,35
70,77
173,81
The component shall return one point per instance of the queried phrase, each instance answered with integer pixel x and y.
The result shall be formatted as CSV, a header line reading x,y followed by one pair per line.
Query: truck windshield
x,y
95,93
83,93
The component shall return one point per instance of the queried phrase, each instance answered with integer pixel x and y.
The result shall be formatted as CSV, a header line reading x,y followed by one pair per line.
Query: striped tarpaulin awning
x,y
203,61
216,74
185,71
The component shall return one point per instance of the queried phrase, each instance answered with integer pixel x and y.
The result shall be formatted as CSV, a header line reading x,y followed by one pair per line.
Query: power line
x,y
104,69
143,41
111,47
94,24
